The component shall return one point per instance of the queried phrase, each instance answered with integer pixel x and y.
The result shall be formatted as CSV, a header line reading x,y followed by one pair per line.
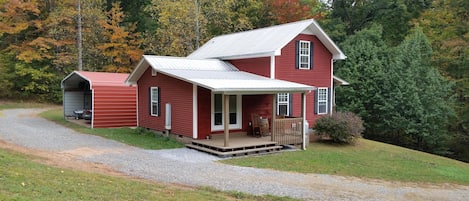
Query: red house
x,y
283,74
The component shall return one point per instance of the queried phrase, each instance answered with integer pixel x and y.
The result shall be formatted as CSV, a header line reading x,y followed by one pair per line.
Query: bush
x,y
341,127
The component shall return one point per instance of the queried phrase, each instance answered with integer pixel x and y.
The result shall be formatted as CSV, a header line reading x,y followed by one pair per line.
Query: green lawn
x,y
22,179
134,137
21,104
368,159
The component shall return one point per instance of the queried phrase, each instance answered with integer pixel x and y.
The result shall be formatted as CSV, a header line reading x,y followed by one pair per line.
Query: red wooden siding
x,y
259,66
285,69
176,92
258,104
114,106
204,108
320,76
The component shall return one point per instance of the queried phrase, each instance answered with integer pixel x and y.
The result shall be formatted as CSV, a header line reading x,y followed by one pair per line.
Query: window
x,y
304,55
154,101
322,101
234,109
283,104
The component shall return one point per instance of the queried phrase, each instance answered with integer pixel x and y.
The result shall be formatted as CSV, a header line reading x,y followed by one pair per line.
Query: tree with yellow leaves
x,y
121,46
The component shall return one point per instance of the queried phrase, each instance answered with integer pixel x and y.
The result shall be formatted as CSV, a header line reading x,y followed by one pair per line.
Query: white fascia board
x,y
137,72
337,54
247,56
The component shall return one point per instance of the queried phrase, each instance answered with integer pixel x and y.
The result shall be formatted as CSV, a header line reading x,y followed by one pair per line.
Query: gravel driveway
x,y
188,167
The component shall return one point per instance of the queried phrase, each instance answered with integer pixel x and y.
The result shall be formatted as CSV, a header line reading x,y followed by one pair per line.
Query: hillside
x,y
368,159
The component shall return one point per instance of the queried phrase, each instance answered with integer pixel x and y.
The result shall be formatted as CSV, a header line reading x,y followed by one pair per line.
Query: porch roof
x,y
215,75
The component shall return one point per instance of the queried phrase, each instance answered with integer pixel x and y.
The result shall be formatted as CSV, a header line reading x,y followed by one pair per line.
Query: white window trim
x,y
287,103
239,115
308,54
152,101
322,101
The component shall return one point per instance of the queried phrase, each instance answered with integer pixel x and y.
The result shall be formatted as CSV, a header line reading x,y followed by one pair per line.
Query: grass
x,y
23,179
21,104
368,159
135,137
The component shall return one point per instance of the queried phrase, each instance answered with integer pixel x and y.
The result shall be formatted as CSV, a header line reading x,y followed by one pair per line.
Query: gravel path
x,y
184,166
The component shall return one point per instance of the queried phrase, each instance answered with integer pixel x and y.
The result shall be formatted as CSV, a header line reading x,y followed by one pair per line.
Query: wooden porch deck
x,y
239,144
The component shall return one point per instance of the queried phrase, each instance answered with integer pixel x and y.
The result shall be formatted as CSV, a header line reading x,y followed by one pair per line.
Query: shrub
x,y
341,127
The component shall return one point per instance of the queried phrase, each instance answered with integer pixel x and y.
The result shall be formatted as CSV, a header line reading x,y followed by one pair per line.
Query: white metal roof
x,y
181,63
263,42
215,75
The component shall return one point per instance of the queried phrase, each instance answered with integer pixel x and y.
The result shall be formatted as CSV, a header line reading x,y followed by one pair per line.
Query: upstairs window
x,y
304,55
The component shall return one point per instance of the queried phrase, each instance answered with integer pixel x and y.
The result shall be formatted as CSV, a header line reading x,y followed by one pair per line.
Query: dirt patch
x,y
87,151
63,159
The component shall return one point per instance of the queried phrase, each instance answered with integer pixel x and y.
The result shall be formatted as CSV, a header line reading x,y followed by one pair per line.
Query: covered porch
x,y
280,132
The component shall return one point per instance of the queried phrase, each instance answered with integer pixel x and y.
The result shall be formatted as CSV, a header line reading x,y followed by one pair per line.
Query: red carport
x,y
112,102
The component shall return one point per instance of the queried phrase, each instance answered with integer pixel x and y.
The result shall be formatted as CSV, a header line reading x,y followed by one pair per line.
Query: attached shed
x,y
112,102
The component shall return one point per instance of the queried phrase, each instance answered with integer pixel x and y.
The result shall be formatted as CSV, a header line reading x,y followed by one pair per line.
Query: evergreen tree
x,y
420,96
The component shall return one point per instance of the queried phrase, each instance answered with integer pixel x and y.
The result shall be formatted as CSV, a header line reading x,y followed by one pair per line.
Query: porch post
x,y
274,115
226,118
303,116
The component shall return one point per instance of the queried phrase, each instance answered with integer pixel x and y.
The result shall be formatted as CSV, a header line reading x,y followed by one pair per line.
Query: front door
x,y
217,112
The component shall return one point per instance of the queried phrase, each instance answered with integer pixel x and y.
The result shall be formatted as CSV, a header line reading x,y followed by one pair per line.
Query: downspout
x,y
136,106
332,87
303,116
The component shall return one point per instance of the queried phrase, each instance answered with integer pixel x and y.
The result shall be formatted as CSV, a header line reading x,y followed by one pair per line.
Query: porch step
x,y
243,152
243,146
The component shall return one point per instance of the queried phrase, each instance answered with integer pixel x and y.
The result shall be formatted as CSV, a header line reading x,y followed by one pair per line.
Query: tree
x,y
367,57
284,11
135,13
20,26
446,25
401,97
185,25
419,95
394,16
27,51
93,34
122,43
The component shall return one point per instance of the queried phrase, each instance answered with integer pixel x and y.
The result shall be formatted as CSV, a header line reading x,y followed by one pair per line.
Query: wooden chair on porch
x,y
255,125
260,127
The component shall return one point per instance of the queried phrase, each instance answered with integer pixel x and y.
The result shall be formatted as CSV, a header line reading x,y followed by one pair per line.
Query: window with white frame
x,y
304,55
283,104
322,101
234,112
154,101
